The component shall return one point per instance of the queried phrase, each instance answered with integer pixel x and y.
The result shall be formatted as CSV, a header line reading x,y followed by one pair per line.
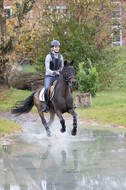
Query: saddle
x,y
50,92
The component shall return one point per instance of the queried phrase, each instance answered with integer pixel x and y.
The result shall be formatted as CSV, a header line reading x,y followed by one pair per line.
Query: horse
x,y
61,102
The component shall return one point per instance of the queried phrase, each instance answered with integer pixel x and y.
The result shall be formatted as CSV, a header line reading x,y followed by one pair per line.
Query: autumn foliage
x,y
82,27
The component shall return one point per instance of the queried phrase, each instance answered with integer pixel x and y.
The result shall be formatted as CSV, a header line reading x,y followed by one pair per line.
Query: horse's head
x,y
69,72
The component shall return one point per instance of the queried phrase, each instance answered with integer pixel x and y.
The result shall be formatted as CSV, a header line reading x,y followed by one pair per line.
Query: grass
x,y
9,97
29,68
7,126
108,107
111,129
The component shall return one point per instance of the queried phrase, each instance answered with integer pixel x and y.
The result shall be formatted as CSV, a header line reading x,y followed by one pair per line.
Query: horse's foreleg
x,y
74,130
62,121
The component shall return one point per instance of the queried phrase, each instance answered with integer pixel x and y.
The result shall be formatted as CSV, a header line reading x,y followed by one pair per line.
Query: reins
x,y
68,78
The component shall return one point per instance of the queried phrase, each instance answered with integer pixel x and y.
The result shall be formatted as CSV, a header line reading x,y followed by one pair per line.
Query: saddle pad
x,y
41,95
50,92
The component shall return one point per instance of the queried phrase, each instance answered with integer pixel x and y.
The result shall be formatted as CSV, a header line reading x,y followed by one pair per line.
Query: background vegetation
x,y
84,31
87,78
82,27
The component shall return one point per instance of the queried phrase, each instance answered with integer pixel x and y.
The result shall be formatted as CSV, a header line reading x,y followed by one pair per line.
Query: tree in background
x,y
84,30
82,27
11,29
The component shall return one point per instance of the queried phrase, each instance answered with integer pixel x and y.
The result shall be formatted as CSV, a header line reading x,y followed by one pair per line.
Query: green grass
x,y
108,107
9,97
7,126
29,68
112,129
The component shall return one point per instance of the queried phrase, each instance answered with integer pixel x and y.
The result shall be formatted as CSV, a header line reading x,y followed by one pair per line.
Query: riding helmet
x,y
55,43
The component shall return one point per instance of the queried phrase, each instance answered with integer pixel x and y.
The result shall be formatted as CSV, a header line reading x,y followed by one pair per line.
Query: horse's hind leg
x,y
44,123
39,105
62,121
52,116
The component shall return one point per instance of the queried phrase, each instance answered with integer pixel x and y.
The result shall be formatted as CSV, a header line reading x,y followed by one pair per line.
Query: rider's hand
x,y
55,74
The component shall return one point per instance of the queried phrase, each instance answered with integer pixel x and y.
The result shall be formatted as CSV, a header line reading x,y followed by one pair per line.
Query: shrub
x,y
104,66
87,78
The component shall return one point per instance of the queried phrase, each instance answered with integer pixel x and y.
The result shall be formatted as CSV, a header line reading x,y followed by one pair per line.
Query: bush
x,y
87,78
104,66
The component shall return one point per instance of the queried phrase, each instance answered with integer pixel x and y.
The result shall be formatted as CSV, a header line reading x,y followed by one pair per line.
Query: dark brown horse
x,y
62,101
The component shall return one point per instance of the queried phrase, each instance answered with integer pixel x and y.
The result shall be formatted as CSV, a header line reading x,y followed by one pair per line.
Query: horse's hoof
x,y
62,130
74,132
48,133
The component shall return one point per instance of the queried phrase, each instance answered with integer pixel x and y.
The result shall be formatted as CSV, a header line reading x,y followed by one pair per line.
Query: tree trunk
x,y
26,80
3,58
2,24
84,100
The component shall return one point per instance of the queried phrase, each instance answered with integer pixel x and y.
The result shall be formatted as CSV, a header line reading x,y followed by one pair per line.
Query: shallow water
x,y
91,160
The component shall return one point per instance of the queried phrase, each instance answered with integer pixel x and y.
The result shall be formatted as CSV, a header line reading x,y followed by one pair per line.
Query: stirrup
x,y
45,109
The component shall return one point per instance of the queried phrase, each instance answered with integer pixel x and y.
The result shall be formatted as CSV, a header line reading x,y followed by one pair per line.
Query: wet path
x,y
91,160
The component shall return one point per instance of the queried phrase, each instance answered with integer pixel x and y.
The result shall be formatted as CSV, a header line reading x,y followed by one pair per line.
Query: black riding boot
x,y
45,108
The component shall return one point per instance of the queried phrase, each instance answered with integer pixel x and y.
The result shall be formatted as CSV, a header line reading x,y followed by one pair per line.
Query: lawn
x,y
29,68
9,97
7,100
108,107
7,126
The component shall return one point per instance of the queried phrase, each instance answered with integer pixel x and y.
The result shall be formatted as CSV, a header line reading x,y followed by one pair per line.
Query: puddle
x,y
91,160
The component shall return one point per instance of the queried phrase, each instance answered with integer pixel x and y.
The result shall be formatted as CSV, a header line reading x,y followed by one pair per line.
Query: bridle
x,y
67,79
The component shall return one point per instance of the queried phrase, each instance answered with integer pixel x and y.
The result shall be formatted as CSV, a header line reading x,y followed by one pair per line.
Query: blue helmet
x,y
55,43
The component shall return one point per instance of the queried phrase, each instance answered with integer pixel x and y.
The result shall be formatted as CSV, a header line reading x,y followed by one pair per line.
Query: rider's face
x,y
56,49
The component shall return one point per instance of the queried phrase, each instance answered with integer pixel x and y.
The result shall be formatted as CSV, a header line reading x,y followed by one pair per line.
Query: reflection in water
x,y
92,160
44,184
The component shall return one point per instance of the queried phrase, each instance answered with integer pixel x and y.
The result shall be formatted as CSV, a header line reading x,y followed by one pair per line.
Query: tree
x,y
84,30
10,31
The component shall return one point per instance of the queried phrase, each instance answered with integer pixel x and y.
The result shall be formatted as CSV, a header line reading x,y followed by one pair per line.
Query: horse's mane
x,y
68,63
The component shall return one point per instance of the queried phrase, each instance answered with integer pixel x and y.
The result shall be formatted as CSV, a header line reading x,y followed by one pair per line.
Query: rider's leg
x,y
47,84
48,81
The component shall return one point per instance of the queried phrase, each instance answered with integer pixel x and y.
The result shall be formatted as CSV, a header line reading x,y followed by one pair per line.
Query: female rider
x,y
53,64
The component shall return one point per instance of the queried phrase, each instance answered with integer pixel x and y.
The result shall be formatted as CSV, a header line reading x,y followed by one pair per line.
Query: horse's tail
x,y
23,106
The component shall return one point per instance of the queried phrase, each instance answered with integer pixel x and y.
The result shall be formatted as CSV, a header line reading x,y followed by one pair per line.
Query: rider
x,y
53,63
